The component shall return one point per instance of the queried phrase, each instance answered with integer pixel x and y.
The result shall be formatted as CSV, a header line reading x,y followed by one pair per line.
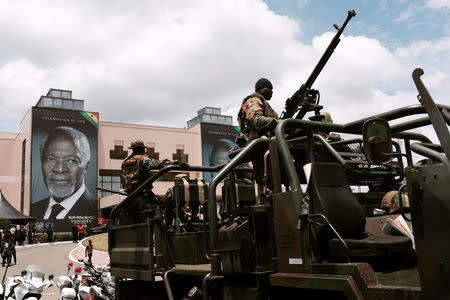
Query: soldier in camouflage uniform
x,y
136,170
257,118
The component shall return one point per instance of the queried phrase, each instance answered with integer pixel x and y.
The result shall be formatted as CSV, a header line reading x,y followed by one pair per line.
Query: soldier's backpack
x,y
132,175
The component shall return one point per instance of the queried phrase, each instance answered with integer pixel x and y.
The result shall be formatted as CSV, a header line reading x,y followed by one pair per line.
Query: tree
x,y
5,223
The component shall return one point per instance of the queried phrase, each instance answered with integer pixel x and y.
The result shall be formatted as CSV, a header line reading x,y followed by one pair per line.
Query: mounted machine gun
x,y
306,99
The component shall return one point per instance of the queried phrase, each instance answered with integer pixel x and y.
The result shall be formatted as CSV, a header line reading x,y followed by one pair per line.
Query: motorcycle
x,y
29,285
92,284
98,283
69,285
2,291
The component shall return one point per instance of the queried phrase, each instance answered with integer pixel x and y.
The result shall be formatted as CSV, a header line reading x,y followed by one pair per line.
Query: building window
x,y
55,93
150,151
180,155
118,152
68,104
78,105
47,102
57,102
110,180
66,94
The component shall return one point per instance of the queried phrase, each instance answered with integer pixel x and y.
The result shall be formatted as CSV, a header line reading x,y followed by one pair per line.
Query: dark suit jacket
x,y
86,205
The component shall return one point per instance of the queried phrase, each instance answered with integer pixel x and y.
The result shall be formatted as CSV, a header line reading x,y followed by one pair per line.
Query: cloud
x,y
18,79
158,62
438,4
410,11
302,3
126,61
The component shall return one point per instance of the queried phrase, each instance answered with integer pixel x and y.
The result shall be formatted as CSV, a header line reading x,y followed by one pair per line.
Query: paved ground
x,y
53,259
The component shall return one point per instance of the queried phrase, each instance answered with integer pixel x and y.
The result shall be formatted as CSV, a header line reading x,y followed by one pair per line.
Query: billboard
x,y
64,159
217,140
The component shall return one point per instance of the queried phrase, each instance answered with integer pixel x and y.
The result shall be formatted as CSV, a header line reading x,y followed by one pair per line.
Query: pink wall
x,y
165,139
25,133
11,164
9,173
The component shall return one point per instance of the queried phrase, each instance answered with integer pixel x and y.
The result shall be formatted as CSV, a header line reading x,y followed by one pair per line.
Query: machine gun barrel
x,y
299,96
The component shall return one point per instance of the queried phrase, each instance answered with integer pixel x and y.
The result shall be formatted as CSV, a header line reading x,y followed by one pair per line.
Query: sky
x,y
159,62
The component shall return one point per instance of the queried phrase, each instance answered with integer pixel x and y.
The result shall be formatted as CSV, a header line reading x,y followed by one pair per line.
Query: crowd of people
x,y
22,235
12,237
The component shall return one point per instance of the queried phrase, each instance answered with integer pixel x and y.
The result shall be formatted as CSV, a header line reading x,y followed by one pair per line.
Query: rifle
x,y
306,99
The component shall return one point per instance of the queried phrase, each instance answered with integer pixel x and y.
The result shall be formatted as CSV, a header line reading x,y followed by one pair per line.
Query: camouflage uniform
x,y
391,202
135,171
256,117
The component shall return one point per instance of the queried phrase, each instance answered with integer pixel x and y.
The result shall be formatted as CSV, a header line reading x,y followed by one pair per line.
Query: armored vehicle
x,y
321,233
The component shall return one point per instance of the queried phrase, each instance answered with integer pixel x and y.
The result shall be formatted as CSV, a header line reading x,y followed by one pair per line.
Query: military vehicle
x,y
316,236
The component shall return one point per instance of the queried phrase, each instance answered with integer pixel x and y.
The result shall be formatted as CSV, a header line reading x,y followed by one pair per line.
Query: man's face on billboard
x,y
62,167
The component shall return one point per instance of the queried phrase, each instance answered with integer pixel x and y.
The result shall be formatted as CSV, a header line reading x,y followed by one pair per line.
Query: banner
x,y
217,140
64,167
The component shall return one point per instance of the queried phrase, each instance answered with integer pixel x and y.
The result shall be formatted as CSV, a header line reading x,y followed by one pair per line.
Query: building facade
x,y
22,176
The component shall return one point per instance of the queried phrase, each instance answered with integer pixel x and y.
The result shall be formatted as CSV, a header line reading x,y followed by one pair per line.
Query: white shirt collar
x,y
67,203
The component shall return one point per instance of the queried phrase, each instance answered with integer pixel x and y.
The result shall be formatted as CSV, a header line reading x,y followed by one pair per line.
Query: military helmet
x,y
391,201
326,117
137,144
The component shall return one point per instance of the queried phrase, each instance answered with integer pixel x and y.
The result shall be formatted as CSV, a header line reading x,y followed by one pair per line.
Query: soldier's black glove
x,y
182,165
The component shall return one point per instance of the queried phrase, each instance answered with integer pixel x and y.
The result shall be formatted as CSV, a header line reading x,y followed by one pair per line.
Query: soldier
x,y
136,170
257,118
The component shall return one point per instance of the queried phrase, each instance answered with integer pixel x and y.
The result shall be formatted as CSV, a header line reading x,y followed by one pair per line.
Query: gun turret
x,y
306,99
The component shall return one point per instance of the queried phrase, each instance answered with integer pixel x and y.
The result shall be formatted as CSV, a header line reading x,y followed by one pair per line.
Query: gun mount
x,y
306,99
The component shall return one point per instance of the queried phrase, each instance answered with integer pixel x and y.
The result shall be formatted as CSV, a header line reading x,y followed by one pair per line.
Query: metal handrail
x,y
400,200
330,149
212,213
158,174
167,283
285,154
446,115
430,153
434,112
347,253
139,190
396,114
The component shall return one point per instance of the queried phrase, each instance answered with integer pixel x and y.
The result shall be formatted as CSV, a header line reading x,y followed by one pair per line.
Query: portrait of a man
x,y
217,140
65,157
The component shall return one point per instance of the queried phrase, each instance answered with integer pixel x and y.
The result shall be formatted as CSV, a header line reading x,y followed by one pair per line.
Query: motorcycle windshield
x,y
34,272
37,276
